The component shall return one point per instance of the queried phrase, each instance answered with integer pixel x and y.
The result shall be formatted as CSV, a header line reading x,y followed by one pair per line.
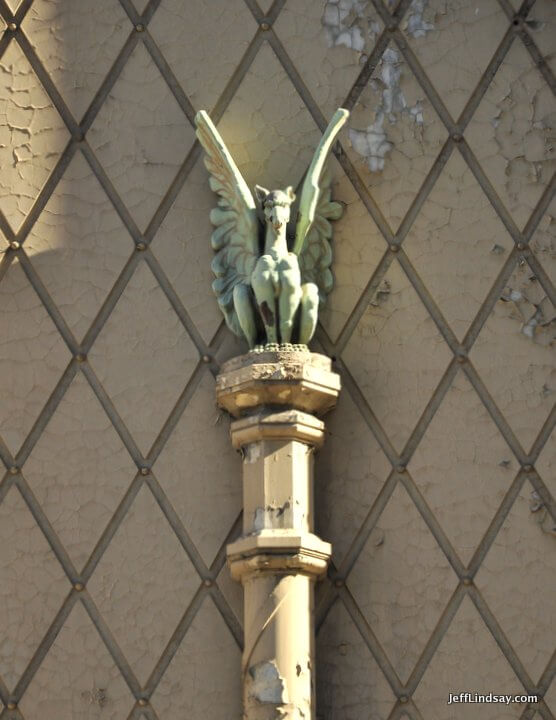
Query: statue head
x,y
276,205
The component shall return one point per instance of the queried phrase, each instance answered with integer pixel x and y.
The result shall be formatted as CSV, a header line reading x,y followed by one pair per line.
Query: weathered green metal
x,y
273,296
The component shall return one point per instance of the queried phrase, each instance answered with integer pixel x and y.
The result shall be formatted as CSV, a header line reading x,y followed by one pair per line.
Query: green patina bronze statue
x,y
269,292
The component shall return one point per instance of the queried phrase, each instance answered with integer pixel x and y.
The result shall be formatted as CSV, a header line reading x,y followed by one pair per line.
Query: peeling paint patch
x,y
252,453
532,307
542,516
267,685
351,23
382,293
416,25
373,143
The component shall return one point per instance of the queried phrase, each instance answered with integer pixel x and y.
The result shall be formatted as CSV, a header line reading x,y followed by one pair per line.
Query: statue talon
x,y
280,290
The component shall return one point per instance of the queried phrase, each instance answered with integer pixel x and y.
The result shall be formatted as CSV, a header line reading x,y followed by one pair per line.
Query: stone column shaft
x,y
278,557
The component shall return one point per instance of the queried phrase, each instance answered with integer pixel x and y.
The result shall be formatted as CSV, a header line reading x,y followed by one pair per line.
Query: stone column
x,y
276,396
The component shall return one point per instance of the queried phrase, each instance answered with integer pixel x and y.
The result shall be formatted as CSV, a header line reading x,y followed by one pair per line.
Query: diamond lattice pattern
x,y
115,601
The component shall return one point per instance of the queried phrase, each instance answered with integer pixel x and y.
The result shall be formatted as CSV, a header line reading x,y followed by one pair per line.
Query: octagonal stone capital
x,y
298,379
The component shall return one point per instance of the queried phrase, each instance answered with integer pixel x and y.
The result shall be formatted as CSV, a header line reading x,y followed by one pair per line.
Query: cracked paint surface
x,y
78,678
203,679
144,581
456,50
143,356
32,586
524,388
512,133
397,357
513,578
402,583
328,70
141,136
79,470
458,244
471,471
394,135
32,135
185,254
468,656
267,128
80,231
350,685
188,34
350,470
32,356
77,41
208,498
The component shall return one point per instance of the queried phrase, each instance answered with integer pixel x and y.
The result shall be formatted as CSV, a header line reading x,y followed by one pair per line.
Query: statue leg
x,y
309,312
290,295
243,304
263,282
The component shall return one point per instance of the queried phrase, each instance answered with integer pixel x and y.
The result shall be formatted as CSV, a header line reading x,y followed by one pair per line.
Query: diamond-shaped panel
x,y
350,471
141,136
32,586
32,356
523,387
328,42
267,127
467,660
511,135
185,252
207,500
79,470
77,42
78,678
454,60
397,356
189,33
516,579
395,135
202,681
350,684
357,248
32,135
144,580
457,223
143,356
402,583
463,467
80,231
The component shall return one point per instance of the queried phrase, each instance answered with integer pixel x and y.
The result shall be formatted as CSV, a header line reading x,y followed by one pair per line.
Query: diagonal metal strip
x,y
371,641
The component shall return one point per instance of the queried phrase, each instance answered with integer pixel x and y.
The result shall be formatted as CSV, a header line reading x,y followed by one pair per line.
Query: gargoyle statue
x,y
269,292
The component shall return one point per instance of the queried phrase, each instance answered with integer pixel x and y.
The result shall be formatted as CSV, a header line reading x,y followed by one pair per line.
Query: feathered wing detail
x,y
316,256
235,239
313,231
311,184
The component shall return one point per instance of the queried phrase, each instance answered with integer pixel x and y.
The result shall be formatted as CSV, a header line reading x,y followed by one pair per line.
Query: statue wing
x,y
235,239
313,231
316,255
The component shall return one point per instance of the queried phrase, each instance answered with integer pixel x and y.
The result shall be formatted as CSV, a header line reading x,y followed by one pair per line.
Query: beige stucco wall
x,y
113,585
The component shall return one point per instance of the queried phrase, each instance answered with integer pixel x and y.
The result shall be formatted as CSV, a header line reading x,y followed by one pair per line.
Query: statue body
x,y
269,292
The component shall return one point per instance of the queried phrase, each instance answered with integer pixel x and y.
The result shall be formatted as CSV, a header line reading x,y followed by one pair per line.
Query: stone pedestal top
x,y
296,378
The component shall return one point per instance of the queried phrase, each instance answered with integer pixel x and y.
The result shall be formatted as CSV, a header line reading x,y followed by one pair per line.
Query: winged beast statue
x,y
268,291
